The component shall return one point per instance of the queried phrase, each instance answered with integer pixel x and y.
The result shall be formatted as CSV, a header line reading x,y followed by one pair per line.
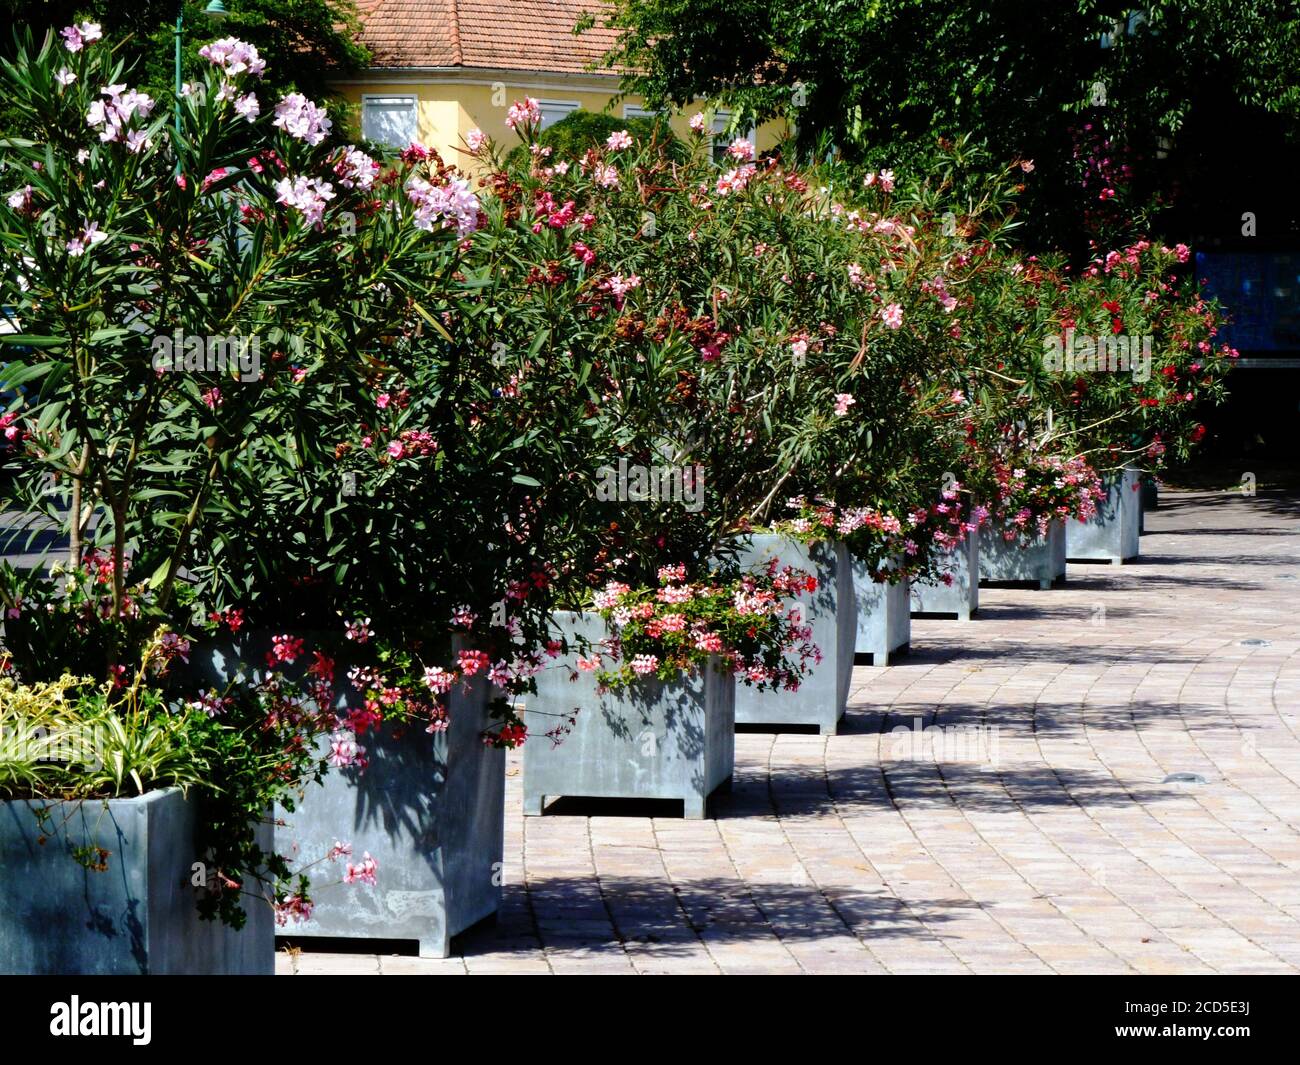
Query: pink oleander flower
x,y
475,139
892,315
339,850
672,574
111,116
799,347
605,175
76,37
442,206
234,57
887,180
735,180
359,631
65,77
843,401
21,201
855,275
302,119
356,170
741,150
619,140
307,195
89,236
697,123
525,113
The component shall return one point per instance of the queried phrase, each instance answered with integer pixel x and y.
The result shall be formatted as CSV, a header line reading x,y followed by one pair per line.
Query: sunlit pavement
x,y
1034,830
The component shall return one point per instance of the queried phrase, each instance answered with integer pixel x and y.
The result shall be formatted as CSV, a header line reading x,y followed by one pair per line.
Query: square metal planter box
x,y
429,808
1111,535
961,599
833,614
884,615
137,917
1039,561
656,740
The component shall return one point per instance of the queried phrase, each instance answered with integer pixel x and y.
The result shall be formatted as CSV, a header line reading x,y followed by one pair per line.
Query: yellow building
x,y
444,67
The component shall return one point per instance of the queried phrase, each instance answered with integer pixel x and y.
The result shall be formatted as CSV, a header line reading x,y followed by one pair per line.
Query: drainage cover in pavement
x,y
1184,778
1255,643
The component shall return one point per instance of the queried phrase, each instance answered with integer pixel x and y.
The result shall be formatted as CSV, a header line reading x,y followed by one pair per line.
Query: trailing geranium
x,y
746,622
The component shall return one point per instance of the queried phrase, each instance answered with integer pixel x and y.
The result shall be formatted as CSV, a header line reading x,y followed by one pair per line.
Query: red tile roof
x,y
534,35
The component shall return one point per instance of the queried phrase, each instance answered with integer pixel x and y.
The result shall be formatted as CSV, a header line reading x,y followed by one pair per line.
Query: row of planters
x,y
367,475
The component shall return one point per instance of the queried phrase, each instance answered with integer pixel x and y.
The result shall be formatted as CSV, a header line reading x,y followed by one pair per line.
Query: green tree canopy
x,y
1098,95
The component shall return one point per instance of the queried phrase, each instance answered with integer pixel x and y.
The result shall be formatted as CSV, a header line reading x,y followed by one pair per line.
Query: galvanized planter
x,y
833,614
1111,535
657,740
429,808
137,917
884,616
961,599
1040,561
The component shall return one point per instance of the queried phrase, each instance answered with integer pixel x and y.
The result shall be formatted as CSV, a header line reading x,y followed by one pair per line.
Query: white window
x,y
637,111
393,120
554,110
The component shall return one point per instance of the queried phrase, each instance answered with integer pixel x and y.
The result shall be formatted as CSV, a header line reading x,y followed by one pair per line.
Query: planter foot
x,y
1044,584
1117,562
533,805
831,729
437,947
693,809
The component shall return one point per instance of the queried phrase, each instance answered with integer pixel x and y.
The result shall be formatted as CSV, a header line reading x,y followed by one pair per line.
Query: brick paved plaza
x,y
1049,843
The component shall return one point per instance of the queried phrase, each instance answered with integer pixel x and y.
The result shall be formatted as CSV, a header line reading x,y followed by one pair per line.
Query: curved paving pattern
x,y
1021,819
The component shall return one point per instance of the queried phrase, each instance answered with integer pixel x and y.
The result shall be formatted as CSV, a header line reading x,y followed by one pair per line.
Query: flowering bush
x,y
745,622
196,321
736,325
